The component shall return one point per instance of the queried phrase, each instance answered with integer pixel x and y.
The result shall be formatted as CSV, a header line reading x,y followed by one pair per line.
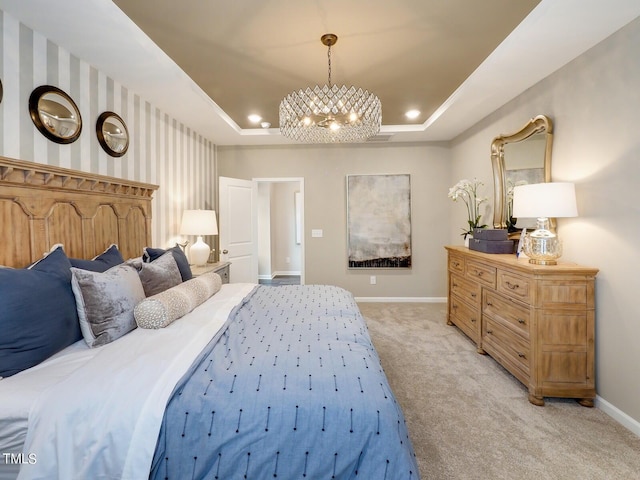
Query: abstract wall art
x,y
379,221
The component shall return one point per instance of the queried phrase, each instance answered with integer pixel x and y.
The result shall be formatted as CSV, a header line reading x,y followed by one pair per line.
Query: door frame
x,y
300,181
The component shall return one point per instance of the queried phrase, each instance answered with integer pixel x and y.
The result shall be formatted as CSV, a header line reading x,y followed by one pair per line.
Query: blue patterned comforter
x,y
292,389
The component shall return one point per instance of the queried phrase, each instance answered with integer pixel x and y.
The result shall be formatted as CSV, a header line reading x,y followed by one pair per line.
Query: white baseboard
x,y
285,272
275,274
403,299
618,415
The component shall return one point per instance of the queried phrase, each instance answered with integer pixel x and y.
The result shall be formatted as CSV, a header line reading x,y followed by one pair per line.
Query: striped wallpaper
x,y
162,150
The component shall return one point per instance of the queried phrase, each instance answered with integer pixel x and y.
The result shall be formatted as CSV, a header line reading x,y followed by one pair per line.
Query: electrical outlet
x,y
372,280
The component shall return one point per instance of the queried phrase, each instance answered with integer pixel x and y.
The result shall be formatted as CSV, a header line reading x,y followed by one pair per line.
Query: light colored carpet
x,y
470,419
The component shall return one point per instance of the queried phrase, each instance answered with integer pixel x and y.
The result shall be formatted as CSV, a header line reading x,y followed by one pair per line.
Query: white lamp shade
x,y
199,222
550,200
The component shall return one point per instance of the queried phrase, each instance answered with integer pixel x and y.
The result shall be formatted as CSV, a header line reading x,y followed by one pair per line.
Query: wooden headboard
x,y
41,205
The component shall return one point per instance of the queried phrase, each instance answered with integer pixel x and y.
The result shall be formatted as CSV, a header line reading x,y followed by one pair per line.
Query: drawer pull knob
x,y
489,332
473,320
521,355
521,320
512,286
473,295
456,264
479,273
454,284
489,304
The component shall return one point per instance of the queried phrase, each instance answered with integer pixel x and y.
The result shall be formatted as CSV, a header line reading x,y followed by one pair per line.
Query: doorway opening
x,y
280,226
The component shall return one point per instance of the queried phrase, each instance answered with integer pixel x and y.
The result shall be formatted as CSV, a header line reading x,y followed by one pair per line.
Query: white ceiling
x,y
97,31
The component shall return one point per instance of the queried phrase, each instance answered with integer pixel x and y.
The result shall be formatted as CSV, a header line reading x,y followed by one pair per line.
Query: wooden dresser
x,y
537,321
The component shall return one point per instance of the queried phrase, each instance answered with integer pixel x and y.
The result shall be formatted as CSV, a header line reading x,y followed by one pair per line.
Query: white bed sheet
x,y
19,392
70,429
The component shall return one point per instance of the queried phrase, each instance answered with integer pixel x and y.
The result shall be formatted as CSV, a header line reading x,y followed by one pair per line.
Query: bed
x,y
245,381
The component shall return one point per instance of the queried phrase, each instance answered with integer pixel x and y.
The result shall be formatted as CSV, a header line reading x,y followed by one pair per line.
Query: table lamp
x,y
544,201
199,223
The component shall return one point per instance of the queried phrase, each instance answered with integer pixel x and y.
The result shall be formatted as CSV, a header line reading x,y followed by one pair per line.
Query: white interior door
x,y
238,228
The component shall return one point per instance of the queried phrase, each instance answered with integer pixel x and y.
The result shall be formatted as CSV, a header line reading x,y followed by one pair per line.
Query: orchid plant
x,y
468,191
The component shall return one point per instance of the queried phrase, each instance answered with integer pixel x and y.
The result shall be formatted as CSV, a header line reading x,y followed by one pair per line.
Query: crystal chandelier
x,y
331,113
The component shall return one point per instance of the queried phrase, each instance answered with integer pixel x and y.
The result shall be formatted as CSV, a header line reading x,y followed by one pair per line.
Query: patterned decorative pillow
x,y
100,263
105,302
37,312
166,307
159,275
152,254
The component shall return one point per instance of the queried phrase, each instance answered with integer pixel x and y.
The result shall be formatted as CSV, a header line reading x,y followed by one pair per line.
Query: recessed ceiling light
x,y
265,125
412,114
254,118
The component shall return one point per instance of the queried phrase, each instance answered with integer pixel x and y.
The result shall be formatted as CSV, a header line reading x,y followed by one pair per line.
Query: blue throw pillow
x,y
151,254
38,314
103,262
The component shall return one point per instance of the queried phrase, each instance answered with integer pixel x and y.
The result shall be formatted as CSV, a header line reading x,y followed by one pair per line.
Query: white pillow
x,y
164,308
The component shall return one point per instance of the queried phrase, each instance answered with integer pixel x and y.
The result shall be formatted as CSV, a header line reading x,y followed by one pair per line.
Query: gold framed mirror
x,y
55,114
518,158
112,133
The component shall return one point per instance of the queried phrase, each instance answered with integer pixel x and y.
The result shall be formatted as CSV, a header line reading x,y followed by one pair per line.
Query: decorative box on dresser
x,y
221,268
537,321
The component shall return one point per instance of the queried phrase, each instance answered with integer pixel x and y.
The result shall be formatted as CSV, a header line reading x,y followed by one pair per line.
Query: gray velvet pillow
x,y
159,275
105,302
166,307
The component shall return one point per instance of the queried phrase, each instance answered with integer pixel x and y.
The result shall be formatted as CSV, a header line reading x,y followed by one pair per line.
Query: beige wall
x,y
594,102
324,169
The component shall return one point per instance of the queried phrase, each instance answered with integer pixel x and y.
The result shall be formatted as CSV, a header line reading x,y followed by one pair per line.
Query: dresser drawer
x,y
465,289
480,272
466,318
456,264
498,340
514,315
224,274
515,286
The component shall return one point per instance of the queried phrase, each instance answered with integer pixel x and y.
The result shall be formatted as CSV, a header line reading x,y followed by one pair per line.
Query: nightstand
x,y
221,268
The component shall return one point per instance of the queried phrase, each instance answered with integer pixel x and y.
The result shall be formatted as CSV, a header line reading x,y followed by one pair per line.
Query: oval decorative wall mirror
x,y
55,114
113,135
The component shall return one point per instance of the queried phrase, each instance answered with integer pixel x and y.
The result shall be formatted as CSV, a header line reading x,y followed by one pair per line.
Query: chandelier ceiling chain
x,y
332,113
329,62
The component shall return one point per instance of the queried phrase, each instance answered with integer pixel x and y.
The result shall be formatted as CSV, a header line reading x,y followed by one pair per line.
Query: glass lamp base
x,y
542,250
